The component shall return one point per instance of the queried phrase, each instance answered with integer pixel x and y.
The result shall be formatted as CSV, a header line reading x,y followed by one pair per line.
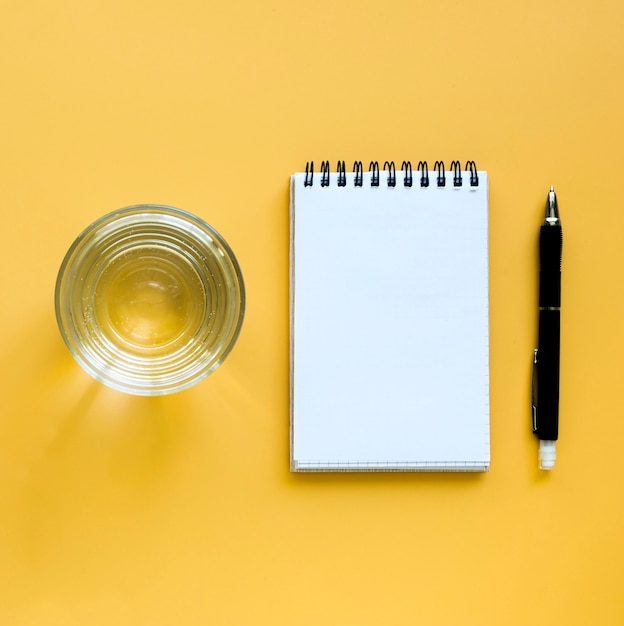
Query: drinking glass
x,y
150,299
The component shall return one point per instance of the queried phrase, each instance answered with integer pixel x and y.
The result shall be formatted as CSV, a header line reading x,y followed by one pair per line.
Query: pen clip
x,y
534,389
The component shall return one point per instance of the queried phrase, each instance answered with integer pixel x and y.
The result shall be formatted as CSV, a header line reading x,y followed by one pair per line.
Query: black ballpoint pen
x,y
545,383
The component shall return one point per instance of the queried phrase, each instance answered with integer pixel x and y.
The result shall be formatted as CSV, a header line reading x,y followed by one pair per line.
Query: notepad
x,y
389,318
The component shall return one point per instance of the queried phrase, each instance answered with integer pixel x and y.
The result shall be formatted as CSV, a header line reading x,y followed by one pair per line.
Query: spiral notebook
x,y
389,318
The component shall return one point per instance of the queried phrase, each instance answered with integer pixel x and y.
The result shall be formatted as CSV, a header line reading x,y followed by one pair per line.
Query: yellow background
x,y
181,510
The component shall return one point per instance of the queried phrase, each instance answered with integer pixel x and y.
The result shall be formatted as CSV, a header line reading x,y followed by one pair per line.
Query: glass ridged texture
x,y
150,299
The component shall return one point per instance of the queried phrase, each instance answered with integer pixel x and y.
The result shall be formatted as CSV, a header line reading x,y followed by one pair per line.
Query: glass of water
x,y
150,299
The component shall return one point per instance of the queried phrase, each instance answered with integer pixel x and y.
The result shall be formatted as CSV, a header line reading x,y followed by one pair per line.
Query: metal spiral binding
x,y
325,174
391,173
374,168
472,167
359,174
439,168
457,177
423,168
309,175
342,176
406,168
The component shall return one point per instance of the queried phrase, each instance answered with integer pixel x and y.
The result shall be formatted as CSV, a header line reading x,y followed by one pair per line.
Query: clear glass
x,y
150,299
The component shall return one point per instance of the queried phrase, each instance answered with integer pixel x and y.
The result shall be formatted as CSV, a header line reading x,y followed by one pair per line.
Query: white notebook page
x,y
389,325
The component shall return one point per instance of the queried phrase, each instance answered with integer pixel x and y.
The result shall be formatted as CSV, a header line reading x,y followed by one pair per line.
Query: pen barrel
x,y
551,244
548,374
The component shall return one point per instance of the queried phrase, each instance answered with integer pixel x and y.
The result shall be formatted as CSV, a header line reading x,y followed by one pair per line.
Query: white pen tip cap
x,y
547,454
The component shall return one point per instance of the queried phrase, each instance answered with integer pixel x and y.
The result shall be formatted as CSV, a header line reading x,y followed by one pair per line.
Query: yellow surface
x,y
181,510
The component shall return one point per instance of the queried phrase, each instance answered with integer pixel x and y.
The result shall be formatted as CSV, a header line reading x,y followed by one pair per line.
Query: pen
x,y
545,388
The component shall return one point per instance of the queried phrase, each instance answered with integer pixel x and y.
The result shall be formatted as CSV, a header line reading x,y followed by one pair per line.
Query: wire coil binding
x,y
359,174
407,168
407,177
374,168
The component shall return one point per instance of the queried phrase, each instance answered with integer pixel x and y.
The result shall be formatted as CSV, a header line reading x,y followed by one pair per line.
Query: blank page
x,y
389,325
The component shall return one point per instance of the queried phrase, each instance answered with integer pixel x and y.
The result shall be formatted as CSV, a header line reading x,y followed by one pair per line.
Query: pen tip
x,y
552,210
